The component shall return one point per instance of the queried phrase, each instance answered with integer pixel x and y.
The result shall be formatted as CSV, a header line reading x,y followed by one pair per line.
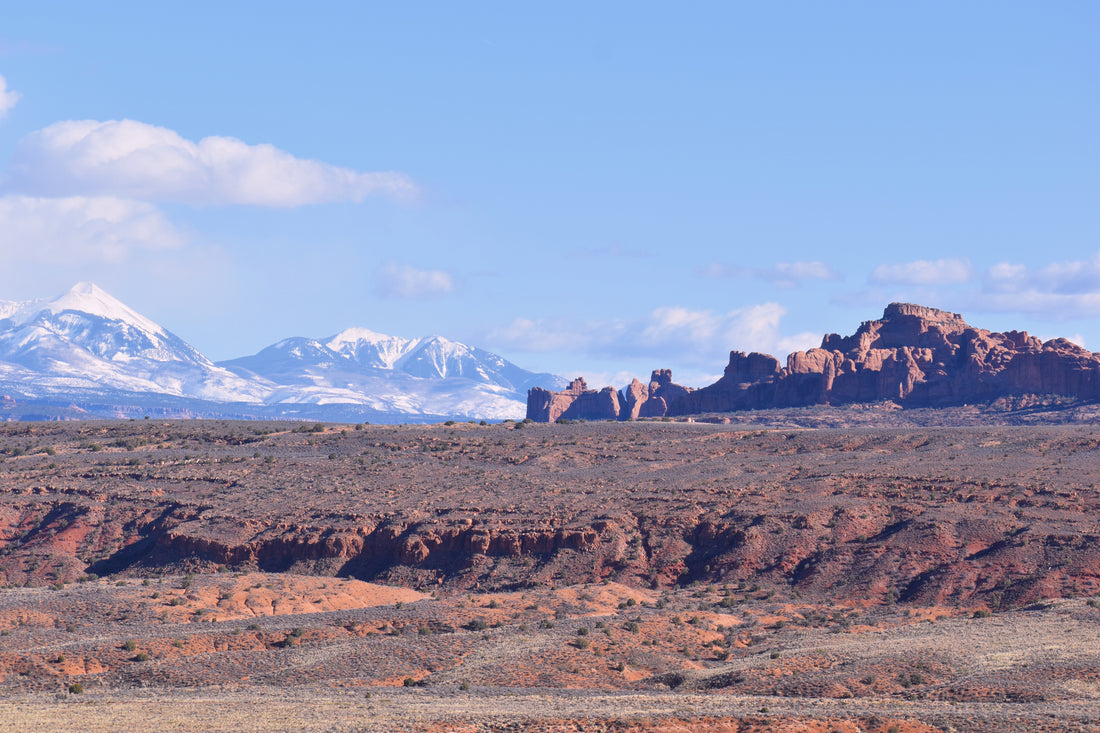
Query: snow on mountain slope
x,y
370,348
89,339
87,344
427,376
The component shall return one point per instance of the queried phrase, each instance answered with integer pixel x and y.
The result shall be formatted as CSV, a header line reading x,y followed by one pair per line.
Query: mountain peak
x,y
89,298
357,334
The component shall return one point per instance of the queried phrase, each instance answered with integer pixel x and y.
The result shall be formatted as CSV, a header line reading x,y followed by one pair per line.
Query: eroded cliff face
x,y
576,402
914,355
942,515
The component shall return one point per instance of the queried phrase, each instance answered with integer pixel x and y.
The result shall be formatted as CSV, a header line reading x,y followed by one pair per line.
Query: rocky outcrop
x,y
576,402
663,393
914,355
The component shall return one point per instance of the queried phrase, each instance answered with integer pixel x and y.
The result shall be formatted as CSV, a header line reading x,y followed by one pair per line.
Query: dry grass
x,y
625,576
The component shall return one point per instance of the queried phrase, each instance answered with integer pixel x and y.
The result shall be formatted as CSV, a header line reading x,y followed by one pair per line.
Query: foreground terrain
x,y
643,576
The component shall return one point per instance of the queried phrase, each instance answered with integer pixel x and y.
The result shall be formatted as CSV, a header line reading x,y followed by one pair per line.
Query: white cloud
x,y
694,338
135,160
924,272
8,98
1065,289
782,274
798,342
80,229
405,281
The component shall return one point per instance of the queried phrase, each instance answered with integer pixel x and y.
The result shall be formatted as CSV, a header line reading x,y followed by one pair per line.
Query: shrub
x,y
76,689
981,613
580,642
143,657
129,645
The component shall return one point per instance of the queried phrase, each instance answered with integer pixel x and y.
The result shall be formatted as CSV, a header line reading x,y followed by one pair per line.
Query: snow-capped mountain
x,y
430,375
87,339
88,348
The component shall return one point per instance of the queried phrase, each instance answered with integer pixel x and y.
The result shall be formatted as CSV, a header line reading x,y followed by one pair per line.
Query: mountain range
x,y
86,354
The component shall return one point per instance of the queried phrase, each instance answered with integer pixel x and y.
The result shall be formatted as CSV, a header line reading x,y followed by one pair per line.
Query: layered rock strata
x,y
915,356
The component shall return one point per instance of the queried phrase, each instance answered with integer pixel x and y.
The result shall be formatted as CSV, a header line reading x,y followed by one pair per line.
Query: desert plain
x,y
827,569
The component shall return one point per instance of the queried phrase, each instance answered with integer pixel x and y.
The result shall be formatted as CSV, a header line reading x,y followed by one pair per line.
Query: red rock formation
x,y
662,393
634,398
914,355
576,402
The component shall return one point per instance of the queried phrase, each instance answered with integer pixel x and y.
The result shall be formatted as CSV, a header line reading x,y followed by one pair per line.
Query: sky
x,y
597,189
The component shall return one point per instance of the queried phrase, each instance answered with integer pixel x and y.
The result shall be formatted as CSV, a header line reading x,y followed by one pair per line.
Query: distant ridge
x,y
914,355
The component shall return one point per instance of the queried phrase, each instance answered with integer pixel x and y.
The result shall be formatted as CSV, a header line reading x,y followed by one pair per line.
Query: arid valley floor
x,y
815,570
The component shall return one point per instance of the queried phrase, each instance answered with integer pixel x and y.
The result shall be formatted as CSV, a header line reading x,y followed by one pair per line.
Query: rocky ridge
x,y
914,355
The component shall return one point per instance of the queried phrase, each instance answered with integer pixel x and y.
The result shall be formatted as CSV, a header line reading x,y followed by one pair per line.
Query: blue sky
x,y
598,189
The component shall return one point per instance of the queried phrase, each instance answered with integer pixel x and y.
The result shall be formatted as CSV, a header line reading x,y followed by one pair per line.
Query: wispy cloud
x,y
697,338
410,283
135,160
1063,289
783,274
81,229
8,97
950,271
1068,277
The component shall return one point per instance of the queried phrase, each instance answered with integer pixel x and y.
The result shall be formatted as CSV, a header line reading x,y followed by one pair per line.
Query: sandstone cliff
x,y
577,402
914,355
